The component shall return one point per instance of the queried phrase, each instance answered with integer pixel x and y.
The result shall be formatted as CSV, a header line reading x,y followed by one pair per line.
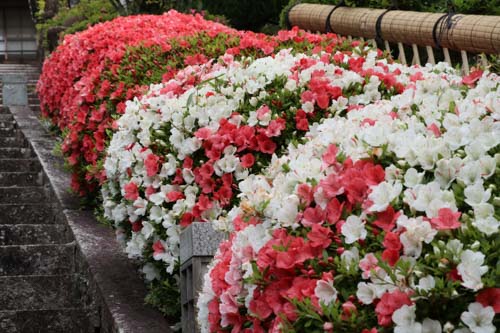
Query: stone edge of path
x,y
116,288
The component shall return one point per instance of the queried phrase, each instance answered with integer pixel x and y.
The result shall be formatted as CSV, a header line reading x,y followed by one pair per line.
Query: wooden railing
x,y
410,32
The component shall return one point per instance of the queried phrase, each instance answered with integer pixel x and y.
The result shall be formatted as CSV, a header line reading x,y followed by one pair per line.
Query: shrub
x,y
384,219
74,19
82,86
181,151
82,91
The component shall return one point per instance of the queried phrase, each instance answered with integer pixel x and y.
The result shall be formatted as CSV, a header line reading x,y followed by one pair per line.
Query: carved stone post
x,y
199,242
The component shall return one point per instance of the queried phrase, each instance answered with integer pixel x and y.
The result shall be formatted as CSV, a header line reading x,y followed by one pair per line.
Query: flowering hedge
x,y
386,218
81,87
85,83
181,151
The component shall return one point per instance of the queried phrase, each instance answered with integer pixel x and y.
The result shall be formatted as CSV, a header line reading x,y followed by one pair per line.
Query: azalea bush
x,y
181,151
84,100
384,218
86,80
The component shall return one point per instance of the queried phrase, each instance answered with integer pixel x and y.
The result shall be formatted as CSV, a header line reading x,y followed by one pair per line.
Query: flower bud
x,y
448,327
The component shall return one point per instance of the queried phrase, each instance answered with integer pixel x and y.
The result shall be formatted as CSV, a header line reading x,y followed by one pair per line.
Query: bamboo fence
x,y
463,33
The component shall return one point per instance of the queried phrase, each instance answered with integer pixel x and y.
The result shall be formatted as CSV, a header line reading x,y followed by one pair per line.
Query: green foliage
x,y
164,295
77,18
246,14
131,7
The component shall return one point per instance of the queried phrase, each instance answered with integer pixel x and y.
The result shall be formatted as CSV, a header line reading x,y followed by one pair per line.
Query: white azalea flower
x,y
350,258
150,272
353,229
325,291
447,170
476,195
147,229
404,318
426,283
470,173
488,225
431,326
368,292
412,178
383,194
479,319
471,269
417,232
135,245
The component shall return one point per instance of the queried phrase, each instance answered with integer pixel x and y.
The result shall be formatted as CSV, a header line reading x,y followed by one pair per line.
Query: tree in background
x,y
56,18
247,14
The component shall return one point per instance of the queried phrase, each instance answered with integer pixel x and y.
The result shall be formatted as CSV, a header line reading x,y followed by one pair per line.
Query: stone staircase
x,y
40,287
60,271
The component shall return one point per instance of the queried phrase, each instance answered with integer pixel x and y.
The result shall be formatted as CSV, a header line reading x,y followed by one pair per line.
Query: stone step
x,y
53,321
4,110
7,124
40,213
21,179
45,292
30,234
24,195
9,131
35,107
20,165
36,260
6,117
15,152
12,141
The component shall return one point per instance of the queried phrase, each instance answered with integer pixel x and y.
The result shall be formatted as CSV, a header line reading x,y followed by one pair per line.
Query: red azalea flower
x,y
137,226
490,297
434,129
323,100
174,196
266,145
387,220
348,309
247,160
319,236
187,219
446,220
313,215
158,248
389,303
471,79
260,308
150,190
151,164
301,122
131,191
305,192
275,127
334,210
330,155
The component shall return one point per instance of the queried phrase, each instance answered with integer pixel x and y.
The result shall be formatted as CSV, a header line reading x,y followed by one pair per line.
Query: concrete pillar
x,y
199,242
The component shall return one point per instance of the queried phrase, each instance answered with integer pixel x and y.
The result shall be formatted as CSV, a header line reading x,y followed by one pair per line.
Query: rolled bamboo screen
x,y
473,33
